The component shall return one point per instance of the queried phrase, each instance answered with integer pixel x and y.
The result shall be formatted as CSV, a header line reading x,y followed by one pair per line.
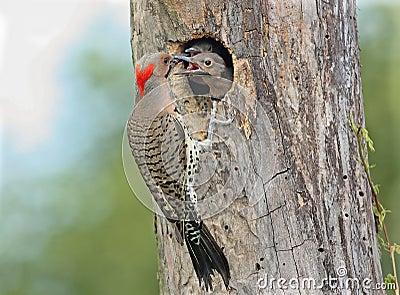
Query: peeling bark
x,y
300,60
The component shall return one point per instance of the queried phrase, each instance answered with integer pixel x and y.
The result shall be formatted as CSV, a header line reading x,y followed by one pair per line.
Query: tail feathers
x,y
206,257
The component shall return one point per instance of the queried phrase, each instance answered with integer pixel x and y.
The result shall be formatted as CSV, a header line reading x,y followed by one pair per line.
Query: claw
x,y
204,145
223,122
213,121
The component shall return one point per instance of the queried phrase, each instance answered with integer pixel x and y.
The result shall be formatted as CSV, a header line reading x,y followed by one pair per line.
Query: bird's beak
x,y
172,64
192,51
183,57
193,67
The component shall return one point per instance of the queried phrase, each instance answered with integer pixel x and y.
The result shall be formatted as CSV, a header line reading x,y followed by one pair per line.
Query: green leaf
x,y
367,139
352,123
382,243
396,248
376,188
383,215
376,212
389,279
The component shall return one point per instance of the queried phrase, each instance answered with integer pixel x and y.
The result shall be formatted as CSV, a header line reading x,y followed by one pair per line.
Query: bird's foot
x,y
204,145
222,122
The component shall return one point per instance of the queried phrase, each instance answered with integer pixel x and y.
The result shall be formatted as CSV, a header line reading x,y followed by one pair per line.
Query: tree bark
x,y
313,212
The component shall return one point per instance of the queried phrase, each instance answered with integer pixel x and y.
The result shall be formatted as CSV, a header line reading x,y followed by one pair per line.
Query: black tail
x,y
206,256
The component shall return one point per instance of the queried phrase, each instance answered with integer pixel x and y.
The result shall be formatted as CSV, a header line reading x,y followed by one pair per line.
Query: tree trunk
x,y
312,215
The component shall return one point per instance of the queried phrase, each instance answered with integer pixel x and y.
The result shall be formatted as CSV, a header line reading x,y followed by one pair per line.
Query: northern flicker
x,y
167,157
210,75
206,45
200,46
200,105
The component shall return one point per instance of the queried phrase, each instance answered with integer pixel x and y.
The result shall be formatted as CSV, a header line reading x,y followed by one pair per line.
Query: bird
x,y
200,46
198,106
210,77
167,157
206,63
205,45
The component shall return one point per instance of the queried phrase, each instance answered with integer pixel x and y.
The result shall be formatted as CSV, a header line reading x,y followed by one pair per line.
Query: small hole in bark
x,y
285,177
327,36
222,248
284,264
217,154
155,224
170,235
226,227
296,78
344,177
236,168
258,267
262,259
361,193
210,44
364,238
321,249
346,214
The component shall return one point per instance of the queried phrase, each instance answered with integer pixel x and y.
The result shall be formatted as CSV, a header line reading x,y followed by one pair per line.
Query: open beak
x,y
193,67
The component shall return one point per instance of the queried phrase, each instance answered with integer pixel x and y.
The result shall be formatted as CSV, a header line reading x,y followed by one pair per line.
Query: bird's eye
x,y
166,60
207,62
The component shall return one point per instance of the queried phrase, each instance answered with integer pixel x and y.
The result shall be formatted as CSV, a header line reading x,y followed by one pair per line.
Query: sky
x,y
32,42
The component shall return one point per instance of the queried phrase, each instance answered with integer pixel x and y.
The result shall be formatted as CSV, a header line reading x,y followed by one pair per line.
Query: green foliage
x,y
389,279
381,215
390,282
396,248
379,42
364,144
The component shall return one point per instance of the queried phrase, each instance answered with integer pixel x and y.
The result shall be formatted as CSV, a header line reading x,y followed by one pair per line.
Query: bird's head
x,y
205,64
200,47
152,71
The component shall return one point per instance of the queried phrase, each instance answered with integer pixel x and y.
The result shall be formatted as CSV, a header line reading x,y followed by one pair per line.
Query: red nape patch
x,y
143,76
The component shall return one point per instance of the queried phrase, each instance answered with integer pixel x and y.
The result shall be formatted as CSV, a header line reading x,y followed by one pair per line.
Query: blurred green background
x,y
69,221
379,29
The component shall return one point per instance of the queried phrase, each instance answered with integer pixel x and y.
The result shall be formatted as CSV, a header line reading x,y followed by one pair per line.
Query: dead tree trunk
x,y
314,216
